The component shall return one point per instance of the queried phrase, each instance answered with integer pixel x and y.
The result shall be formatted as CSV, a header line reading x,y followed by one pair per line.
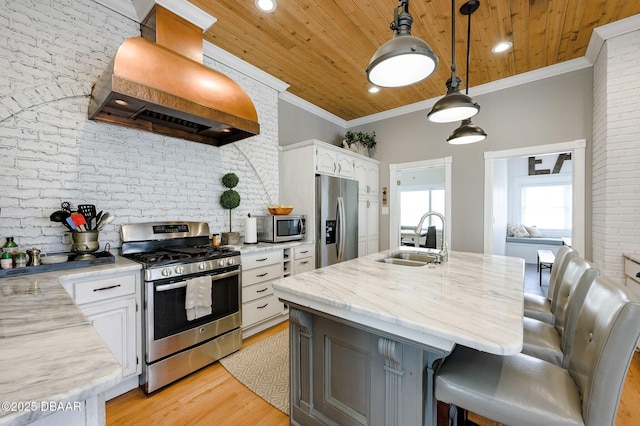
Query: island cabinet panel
x,y
345,375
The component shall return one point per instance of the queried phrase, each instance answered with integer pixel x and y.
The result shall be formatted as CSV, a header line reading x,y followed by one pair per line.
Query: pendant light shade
x,y
403,60
466,133
455,106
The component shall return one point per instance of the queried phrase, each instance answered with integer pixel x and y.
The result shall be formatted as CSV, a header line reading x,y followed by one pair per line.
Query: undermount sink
x,y
411,258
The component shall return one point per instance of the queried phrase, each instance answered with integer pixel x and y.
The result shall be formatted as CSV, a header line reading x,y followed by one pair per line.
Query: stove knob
x,y
230,262
222,262
179,270
166,272
202,266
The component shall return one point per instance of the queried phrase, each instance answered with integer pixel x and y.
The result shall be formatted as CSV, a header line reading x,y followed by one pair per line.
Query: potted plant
x,y
359,142
230,199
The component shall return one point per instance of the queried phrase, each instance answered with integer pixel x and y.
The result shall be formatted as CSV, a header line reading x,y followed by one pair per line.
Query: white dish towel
x,y
198,300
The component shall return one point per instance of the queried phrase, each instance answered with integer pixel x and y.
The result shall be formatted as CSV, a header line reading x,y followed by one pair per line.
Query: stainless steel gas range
x,y
174,256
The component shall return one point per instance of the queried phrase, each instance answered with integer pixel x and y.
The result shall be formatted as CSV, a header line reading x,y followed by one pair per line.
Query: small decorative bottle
x,y
10,246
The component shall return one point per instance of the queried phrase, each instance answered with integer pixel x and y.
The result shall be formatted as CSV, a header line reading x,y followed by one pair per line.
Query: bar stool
x,y
552,342
540,307
523,390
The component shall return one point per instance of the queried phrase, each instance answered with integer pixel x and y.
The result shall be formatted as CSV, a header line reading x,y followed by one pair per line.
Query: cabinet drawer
x,y
256,291
260,310
303,252
258,275
107,288
632,269
303,265
256,260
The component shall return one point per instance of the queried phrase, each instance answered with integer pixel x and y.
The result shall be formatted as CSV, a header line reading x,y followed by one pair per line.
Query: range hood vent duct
x,y
158,83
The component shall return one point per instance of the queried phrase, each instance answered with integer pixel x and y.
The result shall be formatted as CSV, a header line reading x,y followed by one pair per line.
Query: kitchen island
x,y
366,335
54,368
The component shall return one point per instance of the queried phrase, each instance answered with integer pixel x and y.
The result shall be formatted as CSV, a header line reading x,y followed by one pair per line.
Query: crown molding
x,y
137,10
123,7
494,86
219,55
309,107
182,8
606,32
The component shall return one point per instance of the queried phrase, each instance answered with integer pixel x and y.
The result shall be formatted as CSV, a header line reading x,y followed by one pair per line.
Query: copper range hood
x,y
158,83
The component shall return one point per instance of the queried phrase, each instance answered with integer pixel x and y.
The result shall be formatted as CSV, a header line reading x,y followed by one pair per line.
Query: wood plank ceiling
x,y
321,48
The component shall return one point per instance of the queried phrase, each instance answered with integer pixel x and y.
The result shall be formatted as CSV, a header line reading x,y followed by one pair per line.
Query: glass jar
x,y
21,260
6,262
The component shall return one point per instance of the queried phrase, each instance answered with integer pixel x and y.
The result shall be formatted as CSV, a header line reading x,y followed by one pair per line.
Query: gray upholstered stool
x,y
524,390
552,342
540,307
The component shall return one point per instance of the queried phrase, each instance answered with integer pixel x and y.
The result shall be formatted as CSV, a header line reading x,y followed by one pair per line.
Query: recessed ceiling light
x,y
266,5
502,46
374,89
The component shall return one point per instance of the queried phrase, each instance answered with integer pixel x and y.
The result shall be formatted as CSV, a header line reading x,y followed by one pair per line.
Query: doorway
x,y
495,194
425,175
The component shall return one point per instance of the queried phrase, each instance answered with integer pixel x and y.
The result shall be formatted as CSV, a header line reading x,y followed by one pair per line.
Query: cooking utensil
x,y
105,220
66,206
61,217
89,213
71,224
80,221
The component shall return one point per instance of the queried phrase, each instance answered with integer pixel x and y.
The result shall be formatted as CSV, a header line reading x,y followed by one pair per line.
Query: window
x,y
546,206
416,202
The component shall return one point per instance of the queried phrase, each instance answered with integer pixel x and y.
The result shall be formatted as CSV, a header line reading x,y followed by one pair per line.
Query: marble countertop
x,y
475,300
632,256
254,248
49,352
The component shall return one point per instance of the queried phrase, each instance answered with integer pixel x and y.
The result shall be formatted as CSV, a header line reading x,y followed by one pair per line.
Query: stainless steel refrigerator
x,y
336,220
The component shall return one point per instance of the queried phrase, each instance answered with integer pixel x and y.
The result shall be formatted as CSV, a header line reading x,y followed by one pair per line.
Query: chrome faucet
x,y
444,253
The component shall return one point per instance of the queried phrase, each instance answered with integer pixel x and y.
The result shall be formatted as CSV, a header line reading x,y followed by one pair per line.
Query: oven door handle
x,y
165,287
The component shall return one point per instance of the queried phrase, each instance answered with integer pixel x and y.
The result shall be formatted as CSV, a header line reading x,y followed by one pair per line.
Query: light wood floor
x,y
212,396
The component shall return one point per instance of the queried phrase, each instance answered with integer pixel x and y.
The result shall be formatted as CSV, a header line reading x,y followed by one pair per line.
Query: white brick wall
x,y
616,153
51,53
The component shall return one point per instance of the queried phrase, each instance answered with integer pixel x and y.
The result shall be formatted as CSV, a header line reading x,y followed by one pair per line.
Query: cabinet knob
x,y
638,275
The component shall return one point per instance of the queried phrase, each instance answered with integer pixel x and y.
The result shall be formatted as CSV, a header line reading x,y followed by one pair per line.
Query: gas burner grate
x,y
161,257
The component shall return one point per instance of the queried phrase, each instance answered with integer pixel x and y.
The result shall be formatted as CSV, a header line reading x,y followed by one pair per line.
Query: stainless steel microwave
x,y
280,228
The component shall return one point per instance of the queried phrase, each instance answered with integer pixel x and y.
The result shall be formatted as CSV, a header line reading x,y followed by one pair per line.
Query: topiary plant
x,y
230,199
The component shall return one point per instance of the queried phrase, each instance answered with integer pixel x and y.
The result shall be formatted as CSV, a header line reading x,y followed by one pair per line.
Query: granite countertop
x,y
49,352
473,299
254,248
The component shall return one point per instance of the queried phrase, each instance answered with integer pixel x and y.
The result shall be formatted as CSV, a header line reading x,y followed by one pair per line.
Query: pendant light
x,y
467,132
454,106
404,59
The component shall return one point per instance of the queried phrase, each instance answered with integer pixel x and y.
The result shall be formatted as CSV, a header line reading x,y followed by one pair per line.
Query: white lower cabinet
x,y
261,309
111,303
113,321
304,258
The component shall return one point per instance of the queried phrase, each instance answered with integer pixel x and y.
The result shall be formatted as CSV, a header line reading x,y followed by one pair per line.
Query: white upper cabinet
x,y
334,163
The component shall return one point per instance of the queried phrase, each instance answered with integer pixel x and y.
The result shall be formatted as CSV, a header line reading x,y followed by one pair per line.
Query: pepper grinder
x,y
34,257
